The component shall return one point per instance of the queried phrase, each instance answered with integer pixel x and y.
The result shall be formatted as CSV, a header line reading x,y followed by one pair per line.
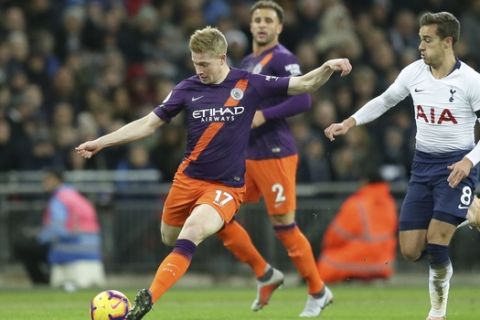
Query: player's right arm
x,y
372,109
313,80
132,131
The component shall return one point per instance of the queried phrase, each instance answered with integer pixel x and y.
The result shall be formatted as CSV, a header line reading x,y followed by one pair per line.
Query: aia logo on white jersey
x,y
432,117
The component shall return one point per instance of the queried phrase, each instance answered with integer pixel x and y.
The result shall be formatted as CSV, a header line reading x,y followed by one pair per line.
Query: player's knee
x,y
411,254
169,234
283,219
168,240
194,232
439,237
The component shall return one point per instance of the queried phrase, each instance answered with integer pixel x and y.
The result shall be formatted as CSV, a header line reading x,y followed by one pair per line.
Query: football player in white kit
x,y
446,100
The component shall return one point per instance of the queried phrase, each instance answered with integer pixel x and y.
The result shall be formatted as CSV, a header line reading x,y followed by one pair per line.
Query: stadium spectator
x,y
69,240
10,159
307,55
364,84
337,32
343,100
70,38
314,165
394,163
403,34
309,12
344,158
138,159
361,241
13,20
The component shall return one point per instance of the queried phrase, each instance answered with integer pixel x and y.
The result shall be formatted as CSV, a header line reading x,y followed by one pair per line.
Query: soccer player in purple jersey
x,y
272,164
220,103
446,102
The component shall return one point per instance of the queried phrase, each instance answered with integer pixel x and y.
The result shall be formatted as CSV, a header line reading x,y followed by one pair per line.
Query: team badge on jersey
x,y
236,94
257,69
452,92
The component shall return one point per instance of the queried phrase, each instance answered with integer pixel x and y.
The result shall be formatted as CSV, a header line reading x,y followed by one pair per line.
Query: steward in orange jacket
x,y
361,241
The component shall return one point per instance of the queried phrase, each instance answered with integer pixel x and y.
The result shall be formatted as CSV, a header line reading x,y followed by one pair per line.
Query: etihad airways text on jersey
x,y
227,113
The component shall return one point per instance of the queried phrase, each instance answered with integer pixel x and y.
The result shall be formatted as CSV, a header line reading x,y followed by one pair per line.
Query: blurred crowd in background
x,y
71,70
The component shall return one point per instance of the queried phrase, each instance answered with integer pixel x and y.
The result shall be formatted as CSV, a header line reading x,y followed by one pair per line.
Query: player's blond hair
x,y
447,24
208,39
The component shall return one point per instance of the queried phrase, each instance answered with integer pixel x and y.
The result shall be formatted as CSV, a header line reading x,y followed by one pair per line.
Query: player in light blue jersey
x,y
446,100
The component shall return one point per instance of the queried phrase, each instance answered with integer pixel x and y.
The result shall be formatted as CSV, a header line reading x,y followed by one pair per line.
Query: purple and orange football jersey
x,y
274,139
219,117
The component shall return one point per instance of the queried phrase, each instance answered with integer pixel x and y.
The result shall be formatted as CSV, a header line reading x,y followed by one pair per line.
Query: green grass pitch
x,y
352,302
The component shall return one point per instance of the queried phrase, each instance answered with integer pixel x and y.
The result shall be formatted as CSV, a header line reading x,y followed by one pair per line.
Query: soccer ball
x,y
109,305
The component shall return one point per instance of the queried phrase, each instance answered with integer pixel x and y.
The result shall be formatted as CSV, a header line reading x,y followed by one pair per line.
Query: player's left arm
x,y
316,78
283,65
287,108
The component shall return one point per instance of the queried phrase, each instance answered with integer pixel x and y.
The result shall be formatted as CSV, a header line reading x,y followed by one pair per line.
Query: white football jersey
x,y
444,108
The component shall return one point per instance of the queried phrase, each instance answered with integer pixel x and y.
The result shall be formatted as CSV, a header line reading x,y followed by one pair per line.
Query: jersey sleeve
x,y
474,97
289,107
269,86
373,109
474,94
286,65
171,105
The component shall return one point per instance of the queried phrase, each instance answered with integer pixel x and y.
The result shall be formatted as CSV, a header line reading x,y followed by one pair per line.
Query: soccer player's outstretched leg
x,y
446,100
209,185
